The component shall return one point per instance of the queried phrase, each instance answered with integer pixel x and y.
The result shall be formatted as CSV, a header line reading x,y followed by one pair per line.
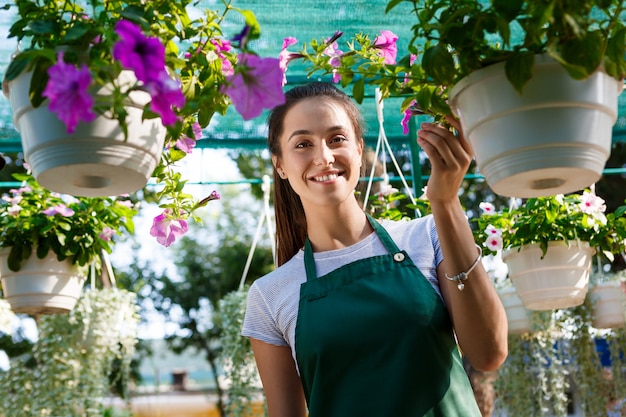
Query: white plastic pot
x,y
609,305
553,139
41,286
516,312
95,160
559,280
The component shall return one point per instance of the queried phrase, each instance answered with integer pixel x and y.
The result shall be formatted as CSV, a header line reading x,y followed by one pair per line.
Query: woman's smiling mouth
x,y
327,177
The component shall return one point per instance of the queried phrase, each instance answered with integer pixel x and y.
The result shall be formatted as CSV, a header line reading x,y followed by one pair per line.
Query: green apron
x,y
374,339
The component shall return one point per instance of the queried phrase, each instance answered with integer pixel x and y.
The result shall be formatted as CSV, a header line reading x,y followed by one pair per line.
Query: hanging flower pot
x,y
516,312
609,305
555,138
96,159
557,280
41,286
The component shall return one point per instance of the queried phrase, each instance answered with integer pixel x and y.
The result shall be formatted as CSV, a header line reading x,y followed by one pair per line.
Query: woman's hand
x,y
449,155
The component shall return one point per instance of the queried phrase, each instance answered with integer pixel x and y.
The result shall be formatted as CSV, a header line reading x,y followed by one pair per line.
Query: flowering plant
x,y
34,219
391,203
540,220
453,38
185,63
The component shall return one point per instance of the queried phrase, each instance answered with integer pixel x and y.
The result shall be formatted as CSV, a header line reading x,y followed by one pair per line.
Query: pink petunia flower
x,y
185,143
386,43
61,209
67,90
106,234
213,196
166,92
223,45
285,56
143,54
167,229
259,86
408,113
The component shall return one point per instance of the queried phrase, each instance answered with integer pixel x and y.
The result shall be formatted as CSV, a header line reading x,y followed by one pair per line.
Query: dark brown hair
x,y
290,219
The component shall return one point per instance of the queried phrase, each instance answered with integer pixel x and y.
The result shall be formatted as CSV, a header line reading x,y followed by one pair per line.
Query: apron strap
x,y
383,235
309,262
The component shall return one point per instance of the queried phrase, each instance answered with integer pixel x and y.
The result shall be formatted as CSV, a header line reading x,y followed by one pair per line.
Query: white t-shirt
x,y
272,306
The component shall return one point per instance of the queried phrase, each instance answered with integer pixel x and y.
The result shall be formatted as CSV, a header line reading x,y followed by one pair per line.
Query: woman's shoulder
x,y
290,274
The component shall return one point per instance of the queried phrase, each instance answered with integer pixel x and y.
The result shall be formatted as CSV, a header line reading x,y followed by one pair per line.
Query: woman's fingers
x,y
442,146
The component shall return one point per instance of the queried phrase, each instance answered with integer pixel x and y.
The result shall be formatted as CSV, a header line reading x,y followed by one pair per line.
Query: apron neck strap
x,y
309,261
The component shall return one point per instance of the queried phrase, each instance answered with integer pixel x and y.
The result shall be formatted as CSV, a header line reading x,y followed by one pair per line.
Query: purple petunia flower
x,y
67,90
167,229
258,87
166,92
142,54
386,43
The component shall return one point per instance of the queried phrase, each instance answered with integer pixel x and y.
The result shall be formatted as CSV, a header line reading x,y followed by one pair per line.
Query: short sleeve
x,y
259,322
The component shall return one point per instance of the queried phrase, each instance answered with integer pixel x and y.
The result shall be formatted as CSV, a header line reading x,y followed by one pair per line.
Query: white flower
x,y
591,203
487,208
14,210
6,317
491,230
493,242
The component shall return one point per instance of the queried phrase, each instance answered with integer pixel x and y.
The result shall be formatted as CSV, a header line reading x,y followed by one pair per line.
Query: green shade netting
x,y
304,20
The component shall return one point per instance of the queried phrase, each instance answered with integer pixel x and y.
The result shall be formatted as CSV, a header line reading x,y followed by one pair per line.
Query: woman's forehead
x,y
317,112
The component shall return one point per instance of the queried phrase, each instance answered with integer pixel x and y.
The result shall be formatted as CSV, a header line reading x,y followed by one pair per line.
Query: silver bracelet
x,y
464,275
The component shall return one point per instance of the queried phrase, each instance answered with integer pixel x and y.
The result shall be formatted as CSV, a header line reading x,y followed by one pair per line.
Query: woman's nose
x,y
324,155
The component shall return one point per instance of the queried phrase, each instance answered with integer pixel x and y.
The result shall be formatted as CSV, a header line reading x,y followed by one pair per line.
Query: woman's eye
x,y
338,139
301,145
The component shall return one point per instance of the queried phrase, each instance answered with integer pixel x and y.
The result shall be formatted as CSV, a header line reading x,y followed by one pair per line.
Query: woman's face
x,y
320,153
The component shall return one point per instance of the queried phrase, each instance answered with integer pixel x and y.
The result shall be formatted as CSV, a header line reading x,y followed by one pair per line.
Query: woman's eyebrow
x,y
308,132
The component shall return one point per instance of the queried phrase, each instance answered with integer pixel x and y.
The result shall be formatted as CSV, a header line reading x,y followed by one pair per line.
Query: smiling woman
x,y
354,298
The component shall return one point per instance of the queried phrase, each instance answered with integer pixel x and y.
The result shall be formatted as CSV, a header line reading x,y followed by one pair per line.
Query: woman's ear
x,y
277,166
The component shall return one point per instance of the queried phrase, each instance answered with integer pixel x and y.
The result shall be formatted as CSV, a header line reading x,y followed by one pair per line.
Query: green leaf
x,y
583,56
38,83
358,90
439,64
510,9
43,27
392,4
519,69
250,18
17,66
76,32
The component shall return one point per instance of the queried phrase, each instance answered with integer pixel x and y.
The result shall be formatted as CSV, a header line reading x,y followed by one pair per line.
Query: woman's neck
x,y
337,228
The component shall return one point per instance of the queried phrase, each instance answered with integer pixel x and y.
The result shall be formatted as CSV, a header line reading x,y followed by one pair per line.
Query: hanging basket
x,y
95,160
559,280
609,305
553,139
41,286
516,313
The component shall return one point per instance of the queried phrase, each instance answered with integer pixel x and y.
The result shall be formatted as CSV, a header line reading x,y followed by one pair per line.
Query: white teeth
x,y
326,177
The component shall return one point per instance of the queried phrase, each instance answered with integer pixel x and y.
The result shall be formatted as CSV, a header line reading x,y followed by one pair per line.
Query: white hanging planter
x,y
516,312
95,160
609,305
41,286
559,280
553,139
